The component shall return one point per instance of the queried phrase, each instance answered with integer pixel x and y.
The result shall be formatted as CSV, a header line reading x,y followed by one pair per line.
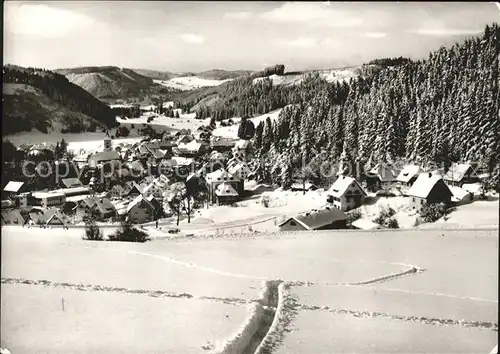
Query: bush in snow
x,y
433,212
353,215
92,231
386,218
265,201
392,223
128,233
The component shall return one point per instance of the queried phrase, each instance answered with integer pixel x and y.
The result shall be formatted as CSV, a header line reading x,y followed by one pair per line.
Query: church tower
x,y
107,142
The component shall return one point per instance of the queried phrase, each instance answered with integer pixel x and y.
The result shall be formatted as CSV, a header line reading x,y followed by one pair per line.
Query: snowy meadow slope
x,y
205,285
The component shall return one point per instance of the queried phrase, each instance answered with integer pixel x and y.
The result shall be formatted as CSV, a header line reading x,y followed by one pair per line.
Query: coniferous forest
x,y
439,110
58,88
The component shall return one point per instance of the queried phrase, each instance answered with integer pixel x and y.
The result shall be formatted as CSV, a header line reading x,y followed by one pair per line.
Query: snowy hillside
x,y
232,131
187,83
330,75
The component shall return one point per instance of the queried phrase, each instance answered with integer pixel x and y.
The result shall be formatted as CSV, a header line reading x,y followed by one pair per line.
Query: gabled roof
x,y
13,186
226,190
318,218
458,193
239,167
424,184
408,172
57,215
384,172
342,184
71,182
474,188
104,205
221,175
105,156
137,200
457,172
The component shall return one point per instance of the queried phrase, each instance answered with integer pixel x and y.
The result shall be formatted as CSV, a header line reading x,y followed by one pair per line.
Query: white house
x,y
346,194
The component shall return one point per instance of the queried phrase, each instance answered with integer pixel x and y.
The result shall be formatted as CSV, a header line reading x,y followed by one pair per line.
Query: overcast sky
x,y
195,36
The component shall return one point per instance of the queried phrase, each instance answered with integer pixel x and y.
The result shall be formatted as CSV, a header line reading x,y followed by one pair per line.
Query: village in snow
x,y
201,177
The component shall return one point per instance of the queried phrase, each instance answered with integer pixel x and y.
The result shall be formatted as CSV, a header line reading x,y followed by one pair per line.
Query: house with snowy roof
x,y
408,175
98,207
326,219
193,148
240,170
226,194
429,189
102,157
70,182
346,194
460,173
221,176
13,188
142,209
381,176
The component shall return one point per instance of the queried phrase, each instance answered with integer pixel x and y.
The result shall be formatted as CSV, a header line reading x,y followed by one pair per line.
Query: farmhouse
x,y
226,194
460,173
327,219
346,194
155,189
141,209
408,175
100,208
218,177
382,176
428,189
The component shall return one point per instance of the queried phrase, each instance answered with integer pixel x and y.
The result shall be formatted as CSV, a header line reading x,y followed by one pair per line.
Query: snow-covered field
x,y
187,83
175,296
321,331
34,321
332,75
232,131
480,213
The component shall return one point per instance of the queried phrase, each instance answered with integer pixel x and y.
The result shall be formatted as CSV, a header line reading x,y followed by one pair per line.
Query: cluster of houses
x,y
459,185
142,172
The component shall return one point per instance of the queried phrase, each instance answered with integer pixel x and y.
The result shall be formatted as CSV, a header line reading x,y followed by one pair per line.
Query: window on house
x,y
413,199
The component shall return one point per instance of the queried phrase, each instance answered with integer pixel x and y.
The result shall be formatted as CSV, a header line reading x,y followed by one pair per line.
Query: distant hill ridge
x,y
47,101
